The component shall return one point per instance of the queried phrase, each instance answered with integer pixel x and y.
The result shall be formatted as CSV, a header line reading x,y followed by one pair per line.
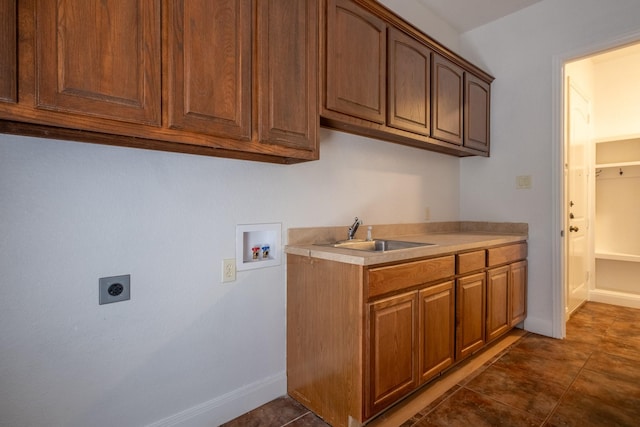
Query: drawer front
x,y
506,254
471,261
396,277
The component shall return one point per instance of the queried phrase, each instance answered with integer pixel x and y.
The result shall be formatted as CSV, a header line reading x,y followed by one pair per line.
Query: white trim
x,y
230,405
557,161
557,202
538,325
616,298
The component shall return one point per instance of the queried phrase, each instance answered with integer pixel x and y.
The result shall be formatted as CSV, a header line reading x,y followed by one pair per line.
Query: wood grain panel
x,y
470,314
447,100
498,317
325,322
518,288
287,38
470,261
409,83
8,51
396,277
100,58
356,57
210,67
476,113
437,329
392,358
506,254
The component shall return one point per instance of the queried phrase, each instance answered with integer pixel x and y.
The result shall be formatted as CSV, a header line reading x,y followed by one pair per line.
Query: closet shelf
x,y
617,165
617,256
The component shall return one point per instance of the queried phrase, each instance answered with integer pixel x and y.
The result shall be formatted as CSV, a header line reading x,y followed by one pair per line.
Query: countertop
x,y
446,238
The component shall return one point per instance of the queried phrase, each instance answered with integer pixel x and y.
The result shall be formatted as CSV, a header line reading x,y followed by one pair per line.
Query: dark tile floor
x,y
592,378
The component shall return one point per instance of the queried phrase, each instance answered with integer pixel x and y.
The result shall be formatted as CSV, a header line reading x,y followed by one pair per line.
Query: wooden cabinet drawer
x,y
396,277
506,254
470,261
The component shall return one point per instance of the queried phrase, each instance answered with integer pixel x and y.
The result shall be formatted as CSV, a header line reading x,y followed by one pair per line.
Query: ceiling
x,y
465,15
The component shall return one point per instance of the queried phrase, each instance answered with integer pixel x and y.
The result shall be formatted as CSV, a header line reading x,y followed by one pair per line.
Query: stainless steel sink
x,y
377,245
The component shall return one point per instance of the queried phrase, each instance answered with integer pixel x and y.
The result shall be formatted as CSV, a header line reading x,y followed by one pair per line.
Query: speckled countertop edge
x,y
447,237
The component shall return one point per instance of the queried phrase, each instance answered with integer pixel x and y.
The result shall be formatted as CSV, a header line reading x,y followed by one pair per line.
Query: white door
x,y
577,175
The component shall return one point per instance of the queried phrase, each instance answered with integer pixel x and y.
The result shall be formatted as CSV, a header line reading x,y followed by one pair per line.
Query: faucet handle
x,y
353,228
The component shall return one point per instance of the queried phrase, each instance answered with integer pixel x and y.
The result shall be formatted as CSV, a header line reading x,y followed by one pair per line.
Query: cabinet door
x,y
436,329
409,82
99,58
356,61
447,100
8,48
476,113
498,317
518,288
287,92
392,336
209,56
470,314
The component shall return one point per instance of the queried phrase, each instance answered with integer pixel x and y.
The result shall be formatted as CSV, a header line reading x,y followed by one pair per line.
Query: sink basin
x,y
377,245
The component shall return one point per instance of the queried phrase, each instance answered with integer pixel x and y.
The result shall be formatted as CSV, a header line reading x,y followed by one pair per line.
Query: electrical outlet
x,y
427,214
114,289
228,270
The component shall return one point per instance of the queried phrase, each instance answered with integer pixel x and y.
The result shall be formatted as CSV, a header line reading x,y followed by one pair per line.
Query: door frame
x,y
558,127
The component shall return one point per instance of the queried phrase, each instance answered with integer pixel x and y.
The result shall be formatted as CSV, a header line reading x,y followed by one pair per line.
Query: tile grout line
x,y
464,382
296,419
564,393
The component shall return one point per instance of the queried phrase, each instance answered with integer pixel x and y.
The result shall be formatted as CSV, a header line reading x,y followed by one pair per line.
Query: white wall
x,y
519,50
72,212
617,88
419,15
185,350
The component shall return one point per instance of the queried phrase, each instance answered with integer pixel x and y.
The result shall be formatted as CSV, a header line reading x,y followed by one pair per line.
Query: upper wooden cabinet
x,y
448,100
356,61
209,67
8,50
287,73
372,61
230,78
99,58
476,113
409,83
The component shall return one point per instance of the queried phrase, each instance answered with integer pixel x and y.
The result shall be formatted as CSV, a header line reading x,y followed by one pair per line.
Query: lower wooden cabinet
x,y
436,329
498,317
410,341
360,338
518,292
470,314
393,335
506,298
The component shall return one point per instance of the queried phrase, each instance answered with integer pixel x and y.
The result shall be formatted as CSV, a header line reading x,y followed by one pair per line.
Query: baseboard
x,y
228,406
616,298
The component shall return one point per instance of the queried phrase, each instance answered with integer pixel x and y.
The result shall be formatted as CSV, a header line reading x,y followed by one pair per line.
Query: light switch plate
x,y
523,182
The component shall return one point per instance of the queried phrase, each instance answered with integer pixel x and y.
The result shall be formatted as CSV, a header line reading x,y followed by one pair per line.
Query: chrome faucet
x,y
353,228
